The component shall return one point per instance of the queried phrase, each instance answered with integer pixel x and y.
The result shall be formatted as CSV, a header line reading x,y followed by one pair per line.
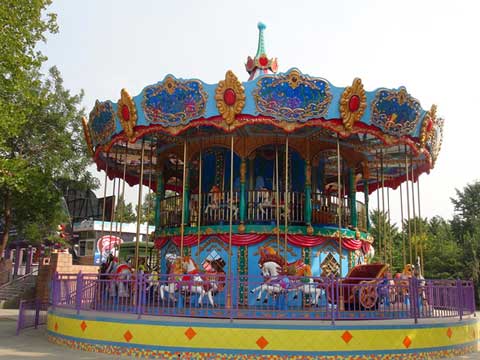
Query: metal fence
x,y
250,297
31,314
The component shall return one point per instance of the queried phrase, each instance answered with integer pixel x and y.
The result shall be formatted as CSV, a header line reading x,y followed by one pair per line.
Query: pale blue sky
x,y
430,47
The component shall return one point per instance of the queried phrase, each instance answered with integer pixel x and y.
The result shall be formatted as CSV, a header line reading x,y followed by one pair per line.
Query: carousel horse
x,y
217,202
281,277
184,275
120,276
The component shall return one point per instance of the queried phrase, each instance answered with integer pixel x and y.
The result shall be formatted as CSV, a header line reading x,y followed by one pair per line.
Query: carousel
x,y
262,192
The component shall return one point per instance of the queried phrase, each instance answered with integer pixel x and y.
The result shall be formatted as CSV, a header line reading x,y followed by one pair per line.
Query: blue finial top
x,y
261,46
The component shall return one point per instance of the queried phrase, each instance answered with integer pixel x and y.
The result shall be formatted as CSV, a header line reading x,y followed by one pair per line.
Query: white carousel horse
x,y
282,277
120,276
184,275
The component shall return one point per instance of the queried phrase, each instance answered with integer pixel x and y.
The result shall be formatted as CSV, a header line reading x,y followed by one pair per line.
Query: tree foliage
x,y
124,212
40,123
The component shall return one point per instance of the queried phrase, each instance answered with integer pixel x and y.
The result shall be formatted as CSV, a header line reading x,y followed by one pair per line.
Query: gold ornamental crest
x,y
353,104
127,113
428,125
86,133
230,97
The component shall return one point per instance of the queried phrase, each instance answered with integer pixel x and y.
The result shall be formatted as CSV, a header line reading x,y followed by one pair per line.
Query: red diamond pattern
x,y
128,336
262,342
83,326
407,342
56,327
346,336
190,333
449,333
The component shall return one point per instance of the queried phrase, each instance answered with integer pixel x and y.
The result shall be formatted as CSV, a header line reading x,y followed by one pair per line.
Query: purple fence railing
x,y
31,314
249,297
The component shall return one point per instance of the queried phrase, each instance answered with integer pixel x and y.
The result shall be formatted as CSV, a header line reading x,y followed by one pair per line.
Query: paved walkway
x,y
32,344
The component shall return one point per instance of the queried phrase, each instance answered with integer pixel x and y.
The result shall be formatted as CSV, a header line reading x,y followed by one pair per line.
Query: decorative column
x,y
365,191
251,172
352,197
308,192
243,190
160,195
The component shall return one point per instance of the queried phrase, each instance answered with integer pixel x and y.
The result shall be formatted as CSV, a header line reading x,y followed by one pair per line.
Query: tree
x,y
40,124
386,238
124,212
466,226
148,209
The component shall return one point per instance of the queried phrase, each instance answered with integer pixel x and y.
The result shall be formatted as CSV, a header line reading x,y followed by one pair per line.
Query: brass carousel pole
x,y
149,197
230,230
104,196
339,209
408,209
414,212
379,233
383,226
421,226
286,201
182,225
390,240
404,254
139,206
112,210
118,201
277,198
123,189
199,216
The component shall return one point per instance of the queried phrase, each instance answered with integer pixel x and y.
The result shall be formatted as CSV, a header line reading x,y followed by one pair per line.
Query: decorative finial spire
x,y
261,64
261,44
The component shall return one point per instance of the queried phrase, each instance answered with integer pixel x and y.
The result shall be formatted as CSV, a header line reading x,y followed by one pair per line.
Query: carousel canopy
x,y
383,126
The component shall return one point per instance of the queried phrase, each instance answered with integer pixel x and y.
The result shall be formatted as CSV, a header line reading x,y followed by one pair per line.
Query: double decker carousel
x,y
262,195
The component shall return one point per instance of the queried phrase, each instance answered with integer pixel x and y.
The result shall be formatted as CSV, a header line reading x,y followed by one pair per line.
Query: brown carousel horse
x,y
281,277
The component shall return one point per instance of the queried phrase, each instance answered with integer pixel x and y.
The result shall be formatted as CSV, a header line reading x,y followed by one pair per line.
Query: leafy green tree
x,y
466,227
386,238
124,212
148,209
40,124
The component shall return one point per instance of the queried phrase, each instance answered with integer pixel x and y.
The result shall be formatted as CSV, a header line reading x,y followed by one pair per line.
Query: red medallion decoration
x,y
353,104
127,113
230,97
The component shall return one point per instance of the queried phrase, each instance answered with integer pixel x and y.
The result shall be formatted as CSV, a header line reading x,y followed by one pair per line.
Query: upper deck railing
x,y
262,207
